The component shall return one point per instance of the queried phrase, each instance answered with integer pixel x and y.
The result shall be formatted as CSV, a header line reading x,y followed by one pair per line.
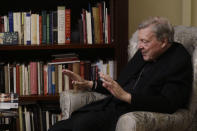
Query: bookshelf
x,y
116,50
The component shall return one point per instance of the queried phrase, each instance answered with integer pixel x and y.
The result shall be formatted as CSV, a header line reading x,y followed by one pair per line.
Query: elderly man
x,y
158,78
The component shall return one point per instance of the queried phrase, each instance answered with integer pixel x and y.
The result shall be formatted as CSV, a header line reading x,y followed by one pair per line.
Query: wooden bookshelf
x,y
116,50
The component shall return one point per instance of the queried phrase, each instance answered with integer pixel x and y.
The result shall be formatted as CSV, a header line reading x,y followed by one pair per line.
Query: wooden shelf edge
x,y
54,47
39,98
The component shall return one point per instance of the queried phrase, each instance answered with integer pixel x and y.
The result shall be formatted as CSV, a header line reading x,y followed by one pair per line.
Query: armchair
x,y
181,120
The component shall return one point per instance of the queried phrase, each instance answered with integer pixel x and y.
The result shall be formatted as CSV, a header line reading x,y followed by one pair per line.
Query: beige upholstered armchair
x,y
181,120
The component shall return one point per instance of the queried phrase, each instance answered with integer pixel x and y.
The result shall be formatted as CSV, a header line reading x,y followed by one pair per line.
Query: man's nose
x,y
140,46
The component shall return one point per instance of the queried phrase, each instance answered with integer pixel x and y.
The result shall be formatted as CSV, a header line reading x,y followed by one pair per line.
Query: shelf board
x,y
54,47
39,98
48,101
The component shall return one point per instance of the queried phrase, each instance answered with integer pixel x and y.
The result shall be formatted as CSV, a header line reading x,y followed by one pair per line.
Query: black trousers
x,y
104,120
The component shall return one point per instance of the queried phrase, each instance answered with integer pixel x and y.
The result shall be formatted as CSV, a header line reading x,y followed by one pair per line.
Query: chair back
x,y
188,37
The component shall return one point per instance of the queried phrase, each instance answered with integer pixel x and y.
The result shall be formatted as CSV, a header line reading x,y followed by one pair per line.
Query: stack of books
x,y
8,101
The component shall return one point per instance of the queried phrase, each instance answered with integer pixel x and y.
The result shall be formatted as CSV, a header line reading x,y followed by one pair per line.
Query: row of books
x,y
36,119
34,29
54,27
95,26
47,78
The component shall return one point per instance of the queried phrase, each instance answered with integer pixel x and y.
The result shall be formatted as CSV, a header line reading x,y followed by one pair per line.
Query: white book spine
x,y
6,23
17,24
47,120
61,24
28,28
106,28
14,76
66,82
111,69
89,27
27,120
8,78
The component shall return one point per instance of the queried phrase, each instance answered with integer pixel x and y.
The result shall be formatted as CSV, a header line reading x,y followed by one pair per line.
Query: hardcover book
x,y
61,24
8,101
10,38
67,25
1,38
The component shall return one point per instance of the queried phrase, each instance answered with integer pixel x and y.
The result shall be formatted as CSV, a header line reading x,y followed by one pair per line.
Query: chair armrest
x,y
151,121
72,100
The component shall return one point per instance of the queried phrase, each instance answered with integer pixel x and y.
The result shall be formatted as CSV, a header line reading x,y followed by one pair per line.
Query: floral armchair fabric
x,y
181,120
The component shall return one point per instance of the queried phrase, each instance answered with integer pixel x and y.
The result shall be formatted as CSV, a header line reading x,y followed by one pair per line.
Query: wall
x,y
194,13
179,12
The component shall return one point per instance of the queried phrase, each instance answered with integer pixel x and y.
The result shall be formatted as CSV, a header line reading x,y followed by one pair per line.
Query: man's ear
x,y
164,43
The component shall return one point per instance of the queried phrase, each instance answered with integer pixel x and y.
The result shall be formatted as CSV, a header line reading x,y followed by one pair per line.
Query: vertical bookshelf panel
x,y
120,21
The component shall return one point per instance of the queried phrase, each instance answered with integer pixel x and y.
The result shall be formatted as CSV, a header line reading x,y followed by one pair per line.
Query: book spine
x,y
48,28
44,27
95,11
22,28
109,28
61,24
101,21
92,22
56,80
106,27
2,78
11,24
37,29
49,79
28,28
40,29
33,29
55,27
34,78
60,85
84,26
89,27
6,27
17,25
53,79
2,24
45,79
67,26
51,27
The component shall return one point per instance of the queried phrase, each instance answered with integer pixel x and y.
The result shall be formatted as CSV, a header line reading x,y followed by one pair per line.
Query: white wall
x,y
179,12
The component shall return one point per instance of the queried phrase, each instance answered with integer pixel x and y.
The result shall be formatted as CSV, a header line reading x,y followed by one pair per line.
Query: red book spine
x,y
2,24
84,26
33,78
17,80
101,21
67,26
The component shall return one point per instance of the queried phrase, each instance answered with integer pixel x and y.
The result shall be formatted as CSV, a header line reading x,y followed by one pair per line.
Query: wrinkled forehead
x,y
145,33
